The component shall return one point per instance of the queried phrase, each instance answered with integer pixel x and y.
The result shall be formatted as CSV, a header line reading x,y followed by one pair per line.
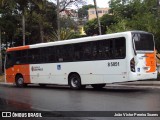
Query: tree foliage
x,y
66,3
83,12
64,35
91,27
136,15
40,19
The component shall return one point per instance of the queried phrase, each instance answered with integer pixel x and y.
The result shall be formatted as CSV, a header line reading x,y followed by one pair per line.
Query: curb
x,y
133,84
143,83
3,83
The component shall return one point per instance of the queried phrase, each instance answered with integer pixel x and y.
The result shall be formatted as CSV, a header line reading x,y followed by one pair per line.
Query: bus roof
x,y
77,40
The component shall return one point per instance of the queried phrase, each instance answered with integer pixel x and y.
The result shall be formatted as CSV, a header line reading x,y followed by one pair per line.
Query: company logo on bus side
x,y
36,68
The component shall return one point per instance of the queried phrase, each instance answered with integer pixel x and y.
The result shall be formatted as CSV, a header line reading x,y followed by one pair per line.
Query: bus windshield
x,y
143,41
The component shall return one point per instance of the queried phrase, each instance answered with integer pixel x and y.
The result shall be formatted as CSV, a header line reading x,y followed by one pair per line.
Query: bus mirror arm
x,y
133,44
135,52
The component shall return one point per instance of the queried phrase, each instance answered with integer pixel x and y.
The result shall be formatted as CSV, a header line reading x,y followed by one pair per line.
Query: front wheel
x,y
98,86
75,82
20,81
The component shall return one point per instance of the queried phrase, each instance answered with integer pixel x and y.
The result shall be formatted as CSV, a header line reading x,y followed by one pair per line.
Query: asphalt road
x,y
60,98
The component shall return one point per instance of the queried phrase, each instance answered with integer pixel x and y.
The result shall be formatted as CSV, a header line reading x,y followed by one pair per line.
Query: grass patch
x,y
1,78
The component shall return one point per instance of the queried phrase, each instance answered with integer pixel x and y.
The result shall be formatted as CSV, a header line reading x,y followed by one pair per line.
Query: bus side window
x,y
21,57
100,50
120,51
95,50
9,60
59,53
108,49
25,57
51,54
68,53
77,52
18,56
33,55
44,52
87,51
37,55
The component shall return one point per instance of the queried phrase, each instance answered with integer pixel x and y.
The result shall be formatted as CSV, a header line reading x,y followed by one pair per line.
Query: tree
x,y
121,26
98,21
22,6
39,16
106,21
12,13
7,5
136,15
68,23
83,12
64,35
15,8
61,6
91,27
8,21
41,20
7,27
66,3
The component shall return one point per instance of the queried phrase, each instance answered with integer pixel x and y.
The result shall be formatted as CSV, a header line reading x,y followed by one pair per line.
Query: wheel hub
x,y
20,81
74,82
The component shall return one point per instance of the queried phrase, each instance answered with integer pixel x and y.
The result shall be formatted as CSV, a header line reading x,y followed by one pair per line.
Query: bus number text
x,y
112,64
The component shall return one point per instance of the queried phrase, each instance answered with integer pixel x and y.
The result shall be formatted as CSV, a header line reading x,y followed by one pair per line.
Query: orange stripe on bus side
x,y
18,48
18,69
151,62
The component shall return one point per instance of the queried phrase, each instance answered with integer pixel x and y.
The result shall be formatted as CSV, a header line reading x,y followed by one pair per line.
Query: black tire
x,y
98,86
75,82
83,86
42,85
25,84
20,81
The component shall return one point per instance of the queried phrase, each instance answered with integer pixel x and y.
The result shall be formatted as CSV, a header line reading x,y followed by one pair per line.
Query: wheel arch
x,y
18,82
17,75
70,74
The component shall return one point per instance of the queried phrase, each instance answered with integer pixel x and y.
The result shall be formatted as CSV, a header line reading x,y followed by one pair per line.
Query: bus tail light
x,y
132,65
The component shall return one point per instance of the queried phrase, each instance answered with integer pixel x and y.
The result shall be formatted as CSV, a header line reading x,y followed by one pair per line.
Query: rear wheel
x,y
98,86
20,81
42,85
75,81
83,86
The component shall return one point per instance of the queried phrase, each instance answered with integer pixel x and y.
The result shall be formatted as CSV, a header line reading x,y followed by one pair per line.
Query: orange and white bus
x,y
96,60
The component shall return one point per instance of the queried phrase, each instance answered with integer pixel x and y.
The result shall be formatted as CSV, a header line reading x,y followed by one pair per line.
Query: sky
x,y
100,3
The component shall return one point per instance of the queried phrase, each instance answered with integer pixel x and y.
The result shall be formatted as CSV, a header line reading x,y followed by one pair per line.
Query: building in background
x,y
69,13
78,22
101,12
